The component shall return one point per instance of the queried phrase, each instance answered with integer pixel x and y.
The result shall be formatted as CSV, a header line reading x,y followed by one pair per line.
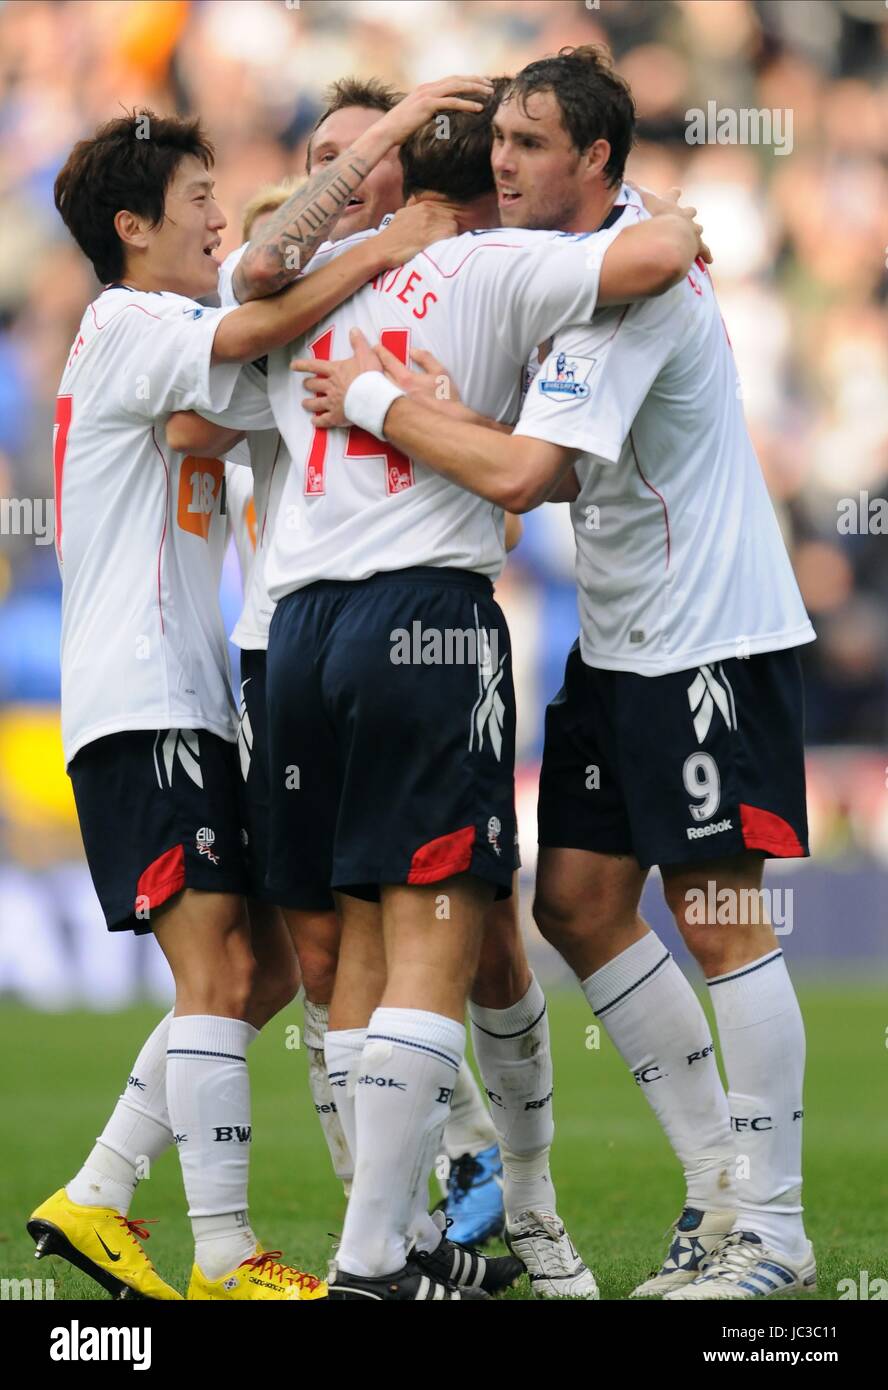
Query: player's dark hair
x,y
368,92
450,154
127,165
594,101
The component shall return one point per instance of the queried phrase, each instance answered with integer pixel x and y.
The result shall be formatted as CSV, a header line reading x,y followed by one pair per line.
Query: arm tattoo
x,y
298,228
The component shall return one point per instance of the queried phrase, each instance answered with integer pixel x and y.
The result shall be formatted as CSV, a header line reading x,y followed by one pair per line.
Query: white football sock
x,y
208,1095
342,1054
138,1131
656,1022
408,1072
317,1017
515,1060
469,1130
763,1045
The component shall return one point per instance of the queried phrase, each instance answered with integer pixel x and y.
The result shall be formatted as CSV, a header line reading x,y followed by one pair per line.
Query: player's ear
x,y
596,157
131,229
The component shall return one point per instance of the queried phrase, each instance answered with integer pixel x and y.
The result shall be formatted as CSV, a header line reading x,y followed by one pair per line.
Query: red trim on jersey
x,y
652,489
448,854
140,307
61,426
164,877
166,510
765,830
503,246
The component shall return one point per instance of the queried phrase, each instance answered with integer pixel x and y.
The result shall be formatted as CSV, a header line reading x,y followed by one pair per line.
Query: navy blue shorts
x,y
158,812
252,747
392,736
680,768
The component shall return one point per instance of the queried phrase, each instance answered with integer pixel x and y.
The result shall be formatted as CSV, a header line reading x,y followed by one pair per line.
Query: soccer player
x,y
147,715
677,739
395,780
473,1203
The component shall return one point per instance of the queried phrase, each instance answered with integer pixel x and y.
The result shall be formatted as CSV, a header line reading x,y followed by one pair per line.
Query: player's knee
x,y
318,965
274,987
558,918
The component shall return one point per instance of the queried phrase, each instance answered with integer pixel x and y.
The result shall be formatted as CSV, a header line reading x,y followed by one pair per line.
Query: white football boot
x,y
696,1235
539,1240
744,1267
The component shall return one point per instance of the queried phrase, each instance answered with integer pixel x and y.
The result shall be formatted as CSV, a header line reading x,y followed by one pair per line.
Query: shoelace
x,y
551,1256
462,1174
730,1259
137,1228
270,1263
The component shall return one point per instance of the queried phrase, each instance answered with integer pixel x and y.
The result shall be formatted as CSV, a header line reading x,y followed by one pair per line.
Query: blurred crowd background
x,y
798,232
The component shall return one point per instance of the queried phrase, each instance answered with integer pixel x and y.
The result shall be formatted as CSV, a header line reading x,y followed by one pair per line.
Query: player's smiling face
x,y
180,254
381,192
538,172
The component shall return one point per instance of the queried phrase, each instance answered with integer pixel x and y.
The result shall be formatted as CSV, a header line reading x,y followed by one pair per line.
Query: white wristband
x,y
368,399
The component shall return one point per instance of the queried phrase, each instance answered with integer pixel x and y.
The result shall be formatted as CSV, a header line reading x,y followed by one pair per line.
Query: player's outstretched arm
x,y
651,257
305,220
264,324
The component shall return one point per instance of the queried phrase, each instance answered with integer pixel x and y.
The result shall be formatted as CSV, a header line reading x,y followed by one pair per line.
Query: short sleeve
x,y
165,355
590,387
539,289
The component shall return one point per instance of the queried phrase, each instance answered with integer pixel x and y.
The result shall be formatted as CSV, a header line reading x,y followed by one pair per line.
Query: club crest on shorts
x,y
566,377
205,839
494,826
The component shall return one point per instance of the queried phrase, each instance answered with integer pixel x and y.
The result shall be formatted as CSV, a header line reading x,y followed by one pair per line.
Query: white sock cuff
x,y
626,973
206,1035
317,1021
516,1019
754,993
420,1031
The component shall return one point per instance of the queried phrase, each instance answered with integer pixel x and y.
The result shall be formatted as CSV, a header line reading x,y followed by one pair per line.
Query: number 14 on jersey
x,y
359,444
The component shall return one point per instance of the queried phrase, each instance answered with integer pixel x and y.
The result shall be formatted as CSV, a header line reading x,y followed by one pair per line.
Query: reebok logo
x,y
489,710
538,1104
705,693
382,1081
134,1081
182,746
699,832
698,1056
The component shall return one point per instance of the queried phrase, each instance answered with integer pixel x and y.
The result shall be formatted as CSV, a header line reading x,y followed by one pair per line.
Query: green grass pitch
x,y
618,1185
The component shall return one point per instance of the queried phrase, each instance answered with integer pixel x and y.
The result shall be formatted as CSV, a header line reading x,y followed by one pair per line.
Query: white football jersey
x,y
265,453
140,533
254,492
680,561
353,505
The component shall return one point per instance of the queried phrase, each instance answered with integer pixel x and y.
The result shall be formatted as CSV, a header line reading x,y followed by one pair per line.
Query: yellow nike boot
x,y
101,1242
261,1276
